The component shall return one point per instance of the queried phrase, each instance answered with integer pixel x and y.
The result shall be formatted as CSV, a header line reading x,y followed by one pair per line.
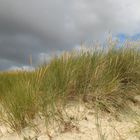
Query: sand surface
x,y
80,124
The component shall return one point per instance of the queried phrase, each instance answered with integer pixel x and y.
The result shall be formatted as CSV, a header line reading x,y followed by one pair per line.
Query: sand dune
x,y
84,125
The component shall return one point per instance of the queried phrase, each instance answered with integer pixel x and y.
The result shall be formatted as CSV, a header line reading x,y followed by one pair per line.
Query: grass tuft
x,y
108,78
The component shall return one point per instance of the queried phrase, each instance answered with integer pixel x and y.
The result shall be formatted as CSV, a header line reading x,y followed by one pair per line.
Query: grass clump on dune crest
x,y
109,78
20,98
106,78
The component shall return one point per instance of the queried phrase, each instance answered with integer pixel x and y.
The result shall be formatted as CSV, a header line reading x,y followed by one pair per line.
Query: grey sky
x,y
41,27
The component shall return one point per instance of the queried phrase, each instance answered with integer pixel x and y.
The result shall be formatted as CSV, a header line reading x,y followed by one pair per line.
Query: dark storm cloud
x,y
40,27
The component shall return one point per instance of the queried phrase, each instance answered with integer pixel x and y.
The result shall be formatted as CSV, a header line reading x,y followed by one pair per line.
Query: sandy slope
x,y
83,126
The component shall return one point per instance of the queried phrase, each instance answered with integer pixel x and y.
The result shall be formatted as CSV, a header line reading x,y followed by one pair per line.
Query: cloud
x,y
34,27
23,68
46,57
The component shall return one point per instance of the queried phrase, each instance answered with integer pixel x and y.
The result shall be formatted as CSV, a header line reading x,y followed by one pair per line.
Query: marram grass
x,y
107,79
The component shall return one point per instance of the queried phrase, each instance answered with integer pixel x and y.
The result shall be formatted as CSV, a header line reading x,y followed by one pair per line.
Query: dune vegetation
x,y
106,79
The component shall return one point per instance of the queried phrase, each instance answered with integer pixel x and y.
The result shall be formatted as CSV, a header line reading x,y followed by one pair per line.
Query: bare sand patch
x,y
80,123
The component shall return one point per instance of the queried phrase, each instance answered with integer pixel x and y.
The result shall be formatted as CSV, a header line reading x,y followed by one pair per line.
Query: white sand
x,y
82,127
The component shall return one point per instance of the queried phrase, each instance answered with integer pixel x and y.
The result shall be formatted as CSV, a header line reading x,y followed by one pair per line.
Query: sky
x,y
42,28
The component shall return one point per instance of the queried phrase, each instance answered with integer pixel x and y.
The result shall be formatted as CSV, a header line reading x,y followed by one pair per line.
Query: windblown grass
x,y
109,79
106,78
